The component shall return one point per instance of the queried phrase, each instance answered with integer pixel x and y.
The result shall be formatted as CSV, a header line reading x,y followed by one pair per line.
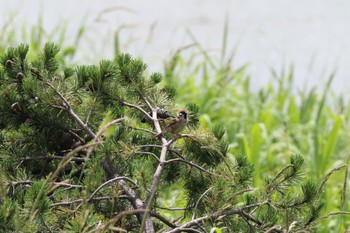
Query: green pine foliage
x,y
79,153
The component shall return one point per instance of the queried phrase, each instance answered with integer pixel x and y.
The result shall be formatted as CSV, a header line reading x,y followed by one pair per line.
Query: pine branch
x,y
281,173
66,105
274,183
67,158
102,87
99,133
107,165
133,196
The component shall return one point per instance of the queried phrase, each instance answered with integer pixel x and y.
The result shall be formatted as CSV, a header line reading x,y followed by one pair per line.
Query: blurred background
x,y
310,35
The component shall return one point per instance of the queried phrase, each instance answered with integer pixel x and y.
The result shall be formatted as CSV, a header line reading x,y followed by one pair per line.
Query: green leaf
x,y
331,142
293,111
243,145
257,139
106,119
215,230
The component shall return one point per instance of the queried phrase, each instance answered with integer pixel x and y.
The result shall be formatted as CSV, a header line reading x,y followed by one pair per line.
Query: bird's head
x,y
182,114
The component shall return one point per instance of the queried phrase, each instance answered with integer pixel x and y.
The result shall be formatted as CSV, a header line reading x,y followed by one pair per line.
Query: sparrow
x,y
176,125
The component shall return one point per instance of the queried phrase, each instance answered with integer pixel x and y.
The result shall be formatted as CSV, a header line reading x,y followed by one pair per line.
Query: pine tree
x,y
79,154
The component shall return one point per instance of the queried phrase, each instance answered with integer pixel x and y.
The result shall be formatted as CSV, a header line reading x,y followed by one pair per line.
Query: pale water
x,y
311,34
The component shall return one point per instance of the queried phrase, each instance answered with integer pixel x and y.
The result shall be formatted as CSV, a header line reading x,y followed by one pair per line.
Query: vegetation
x,y
271,123
78,152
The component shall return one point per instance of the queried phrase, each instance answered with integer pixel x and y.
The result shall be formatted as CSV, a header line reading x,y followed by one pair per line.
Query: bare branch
x,y
160,146
330,215
138,108
199,199
171,209
158,172
104,184
149,145
147,153
173,140
66,202
343,194
71,112
119,216
239,193
106,126
58,184
99,133
76,159
76,136
277,229
89,114
68,158
108,182
250,218
163,219
146,101
93,199
141,129
213,216
328,175
191,164
182,229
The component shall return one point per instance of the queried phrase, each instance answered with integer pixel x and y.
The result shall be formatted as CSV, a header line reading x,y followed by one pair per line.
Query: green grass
x,y
271,123
36,36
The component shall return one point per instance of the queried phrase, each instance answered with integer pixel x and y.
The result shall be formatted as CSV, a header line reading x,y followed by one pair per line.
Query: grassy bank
x,y
270,123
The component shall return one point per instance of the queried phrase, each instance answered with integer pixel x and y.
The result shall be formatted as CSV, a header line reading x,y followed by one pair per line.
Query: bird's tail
x,y
158,136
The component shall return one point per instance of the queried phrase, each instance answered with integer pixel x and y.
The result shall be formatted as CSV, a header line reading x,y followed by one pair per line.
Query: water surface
x,y
313,35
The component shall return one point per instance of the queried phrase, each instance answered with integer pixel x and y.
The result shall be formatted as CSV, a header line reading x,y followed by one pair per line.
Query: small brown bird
x,y
176,125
